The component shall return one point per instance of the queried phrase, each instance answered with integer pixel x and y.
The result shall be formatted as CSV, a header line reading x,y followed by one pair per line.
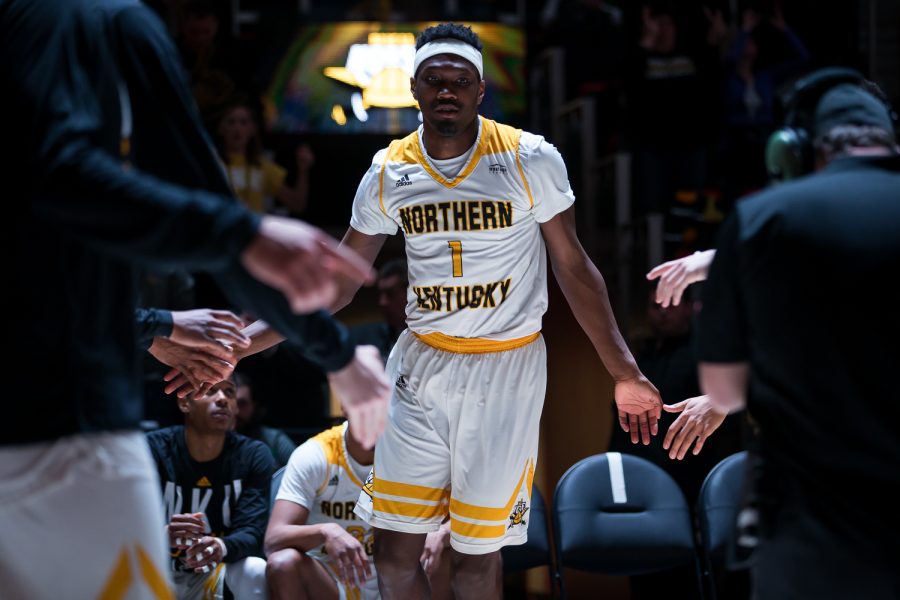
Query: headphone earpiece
x,y
789,151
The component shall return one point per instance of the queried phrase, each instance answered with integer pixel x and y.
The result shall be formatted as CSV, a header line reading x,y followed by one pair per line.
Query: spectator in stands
x,y
671,85
316,546
215,485
754,69
256,179
248,422
393,285
590,32
216,69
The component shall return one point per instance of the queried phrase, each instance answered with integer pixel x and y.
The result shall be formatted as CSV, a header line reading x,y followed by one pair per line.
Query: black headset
x,y
789,152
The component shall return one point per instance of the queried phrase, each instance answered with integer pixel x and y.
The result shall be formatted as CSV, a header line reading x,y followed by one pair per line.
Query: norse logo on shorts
x,y
369,485
402,383
517,517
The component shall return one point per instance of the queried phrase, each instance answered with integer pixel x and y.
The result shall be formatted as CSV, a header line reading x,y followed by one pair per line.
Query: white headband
x,y
449,46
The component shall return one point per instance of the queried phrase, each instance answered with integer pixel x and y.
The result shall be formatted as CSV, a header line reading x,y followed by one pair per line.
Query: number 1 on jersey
x,y
456,254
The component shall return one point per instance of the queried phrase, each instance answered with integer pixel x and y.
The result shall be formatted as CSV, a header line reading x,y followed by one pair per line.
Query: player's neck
x,y
440,147
204,446
358,453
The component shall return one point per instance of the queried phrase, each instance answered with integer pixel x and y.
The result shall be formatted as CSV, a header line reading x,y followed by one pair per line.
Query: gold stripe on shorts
x,y
462,345
409,490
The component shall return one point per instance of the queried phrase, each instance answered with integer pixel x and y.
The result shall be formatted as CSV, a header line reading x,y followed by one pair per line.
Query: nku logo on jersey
x,y
497,169
403,181
517,516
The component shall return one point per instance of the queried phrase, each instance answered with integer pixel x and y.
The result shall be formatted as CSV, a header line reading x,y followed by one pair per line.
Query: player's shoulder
x,y
331,441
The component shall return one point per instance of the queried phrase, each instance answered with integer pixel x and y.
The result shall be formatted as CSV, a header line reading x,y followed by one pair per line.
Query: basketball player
x,y
478,202
316,546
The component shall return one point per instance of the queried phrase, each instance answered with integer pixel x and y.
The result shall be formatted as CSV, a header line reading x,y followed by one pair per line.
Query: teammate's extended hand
x,y
676,275
208,329
697,421
194,368
640,407
347,555
364,391
302,262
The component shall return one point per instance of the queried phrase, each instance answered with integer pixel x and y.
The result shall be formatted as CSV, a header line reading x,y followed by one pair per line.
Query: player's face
x,y
449,92
215,411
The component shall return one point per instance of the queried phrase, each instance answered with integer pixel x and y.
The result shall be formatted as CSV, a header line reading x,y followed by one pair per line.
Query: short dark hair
x,y
443,31
396,267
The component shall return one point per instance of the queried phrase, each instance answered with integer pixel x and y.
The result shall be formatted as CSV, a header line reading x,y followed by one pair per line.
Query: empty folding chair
x,y
621,515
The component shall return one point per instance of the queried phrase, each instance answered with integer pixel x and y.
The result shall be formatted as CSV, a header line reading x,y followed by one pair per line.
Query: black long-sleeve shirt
x,y
85,222
232,489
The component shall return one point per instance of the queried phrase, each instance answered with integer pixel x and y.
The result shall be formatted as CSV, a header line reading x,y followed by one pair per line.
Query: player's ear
x,y
412,88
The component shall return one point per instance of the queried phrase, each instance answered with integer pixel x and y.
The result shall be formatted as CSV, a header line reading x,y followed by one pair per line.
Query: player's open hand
x,y
697,421
639,406
364,391
435,544
348,556
302,262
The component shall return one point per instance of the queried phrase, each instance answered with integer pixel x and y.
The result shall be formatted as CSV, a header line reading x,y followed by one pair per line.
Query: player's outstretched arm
x,y
676,275
637,400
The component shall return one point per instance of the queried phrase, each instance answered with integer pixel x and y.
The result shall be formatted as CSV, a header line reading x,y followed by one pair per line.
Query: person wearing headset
x,y
794,305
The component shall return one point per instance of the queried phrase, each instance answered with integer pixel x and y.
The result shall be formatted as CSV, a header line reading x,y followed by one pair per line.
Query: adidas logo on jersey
x,y
497,168
403,181
333,480
203,482
402,383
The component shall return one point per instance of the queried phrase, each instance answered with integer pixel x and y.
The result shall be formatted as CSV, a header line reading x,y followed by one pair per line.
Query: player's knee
x,y
475,563
392,563
285,563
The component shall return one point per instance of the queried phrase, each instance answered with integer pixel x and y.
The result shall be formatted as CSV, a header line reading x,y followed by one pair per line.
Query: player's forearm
x,y
300,537
585,290
262,337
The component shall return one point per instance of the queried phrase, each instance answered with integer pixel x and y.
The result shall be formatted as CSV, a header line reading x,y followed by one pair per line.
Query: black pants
x,y
802,558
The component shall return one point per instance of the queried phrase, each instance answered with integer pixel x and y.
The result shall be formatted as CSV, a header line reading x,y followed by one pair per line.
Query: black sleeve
x,y
152,322
722,330
251,514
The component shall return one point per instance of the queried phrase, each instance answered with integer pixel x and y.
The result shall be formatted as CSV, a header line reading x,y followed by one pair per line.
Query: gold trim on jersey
x,y
332,443
462,345
493,138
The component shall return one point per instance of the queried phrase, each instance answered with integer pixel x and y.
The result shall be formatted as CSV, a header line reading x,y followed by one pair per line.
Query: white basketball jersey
x,y
477,263
324,478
